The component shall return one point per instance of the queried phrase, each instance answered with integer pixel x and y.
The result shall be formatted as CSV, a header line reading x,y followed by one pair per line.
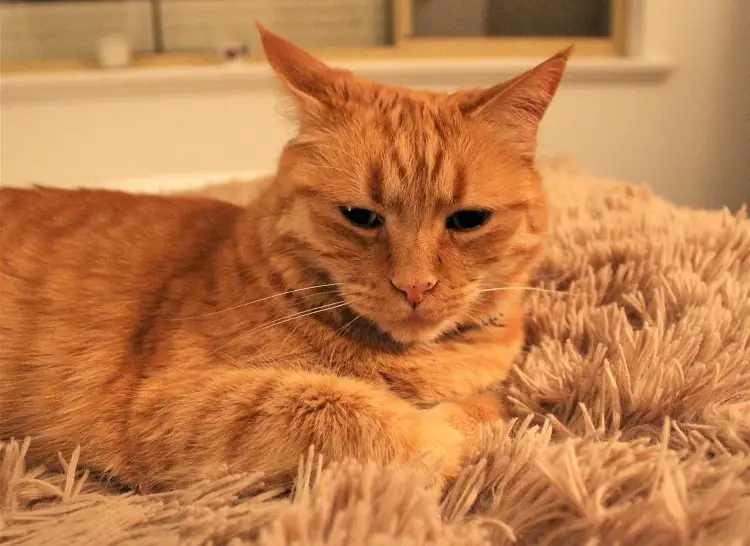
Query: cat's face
x,y
420,205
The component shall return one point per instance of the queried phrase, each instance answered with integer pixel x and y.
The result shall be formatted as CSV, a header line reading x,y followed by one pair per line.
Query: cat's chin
x,y
415,331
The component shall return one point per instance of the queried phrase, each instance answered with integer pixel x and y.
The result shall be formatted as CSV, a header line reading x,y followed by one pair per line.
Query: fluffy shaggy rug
x,y
630,415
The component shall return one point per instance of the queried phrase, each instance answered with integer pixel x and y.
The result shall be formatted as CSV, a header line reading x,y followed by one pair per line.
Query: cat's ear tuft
x,y
309,81
518,106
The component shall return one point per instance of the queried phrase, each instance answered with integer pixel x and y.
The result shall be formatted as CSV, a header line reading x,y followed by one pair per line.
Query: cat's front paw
x,y
481,408
469,414
440,449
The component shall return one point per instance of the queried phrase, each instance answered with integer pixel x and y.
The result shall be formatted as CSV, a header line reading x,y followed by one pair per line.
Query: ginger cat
x,y
350,306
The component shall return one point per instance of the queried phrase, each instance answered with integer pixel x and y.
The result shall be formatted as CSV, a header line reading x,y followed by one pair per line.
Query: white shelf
x,y
411,73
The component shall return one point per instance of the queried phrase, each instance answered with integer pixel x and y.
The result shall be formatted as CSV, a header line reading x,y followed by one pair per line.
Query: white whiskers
x,y
313,311
241,305
347,325
288,318
521,288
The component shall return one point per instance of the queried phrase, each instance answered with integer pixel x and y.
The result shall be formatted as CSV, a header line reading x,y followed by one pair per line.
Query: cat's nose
x,y
414,292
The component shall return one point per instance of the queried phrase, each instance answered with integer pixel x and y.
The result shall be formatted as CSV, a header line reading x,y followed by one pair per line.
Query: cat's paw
x,y
469,414
481,408
440,449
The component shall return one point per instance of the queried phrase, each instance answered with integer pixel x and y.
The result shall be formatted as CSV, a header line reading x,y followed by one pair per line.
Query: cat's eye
x,y
466,220
362,217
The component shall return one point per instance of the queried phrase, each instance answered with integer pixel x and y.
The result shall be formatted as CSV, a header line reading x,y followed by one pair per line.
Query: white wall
x,y
688,134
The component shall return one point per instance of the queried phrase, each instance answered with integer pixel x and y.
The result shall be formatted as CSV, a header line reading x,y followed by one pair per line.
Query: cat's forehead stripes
x,y
376,183
416,169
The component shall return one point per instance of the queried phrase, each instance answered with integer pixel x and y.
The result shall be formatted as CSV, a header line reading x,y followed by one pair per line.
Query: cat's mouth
x,y
406,324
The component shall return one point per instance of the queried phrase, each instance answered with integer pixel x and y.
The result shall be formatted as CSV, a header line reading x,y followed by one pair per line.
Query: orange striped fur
x,y
171,337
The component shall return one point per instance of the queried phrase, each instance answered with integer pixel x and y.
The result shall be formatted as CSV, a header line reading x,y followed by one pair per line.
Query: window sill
x,y
454,73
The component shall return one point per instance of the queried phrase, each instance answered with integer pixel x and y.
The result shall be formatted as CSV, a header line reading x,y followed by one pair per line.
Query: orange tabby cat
x,y
350,306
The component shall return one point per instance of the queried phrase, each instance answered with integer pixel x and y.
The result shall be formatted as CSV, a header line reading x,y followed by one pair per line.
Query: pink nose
x,y
414,292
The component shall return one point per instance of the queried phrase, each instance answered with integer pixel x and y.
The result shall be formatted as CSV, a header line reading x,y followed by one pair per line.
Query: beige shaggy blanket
x,y
631,415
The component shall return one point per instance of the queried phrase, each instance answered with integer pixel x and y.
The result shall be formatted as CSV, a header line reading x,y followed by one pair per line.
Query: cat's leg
x,y
186,425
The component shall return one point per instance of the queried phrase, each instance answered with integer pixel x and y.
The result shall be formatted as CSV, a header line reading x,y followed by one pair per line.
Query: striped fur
x,y
173,337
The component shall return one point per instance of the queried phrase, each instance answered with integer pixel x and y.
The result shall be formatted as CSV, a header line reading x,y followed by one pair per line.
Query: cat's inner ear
x,y
311,83
518,105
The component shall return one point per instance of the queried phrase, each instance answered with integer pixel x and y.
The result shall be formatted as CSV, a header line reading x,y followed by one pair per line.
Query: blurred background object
x,y
655,94
59,29
512,18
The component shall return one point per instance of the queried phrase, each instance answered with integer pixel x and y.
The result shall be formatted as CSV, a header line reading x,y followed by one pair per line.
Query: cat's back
x,y
84,275
107,220
95,256
46,231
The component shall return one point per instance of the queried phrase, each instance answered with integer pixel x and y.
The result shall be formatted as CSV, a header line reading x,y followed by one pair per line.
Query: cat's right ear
x,y
310,82
518,106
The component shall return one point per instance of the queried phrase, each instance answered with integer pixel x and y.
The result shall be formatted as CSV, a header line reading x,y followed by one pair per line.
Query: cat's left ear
x,y
311,83
518,106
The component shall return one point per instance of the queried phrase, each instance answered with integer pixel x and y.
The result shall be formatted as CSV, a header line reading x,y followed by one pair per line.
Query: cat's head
x,y
418,203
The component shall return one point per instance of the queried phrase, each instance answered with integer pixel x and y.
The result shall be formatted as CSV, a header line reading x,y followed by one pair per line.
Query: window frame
x,y
613,45
404,46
